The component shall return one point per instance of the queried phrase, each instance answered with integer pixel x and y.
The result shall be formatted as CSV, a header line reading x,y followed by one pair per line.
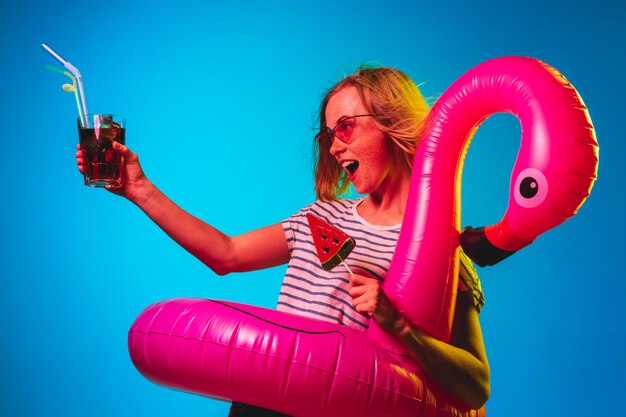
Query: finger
x,y
364,305
362,279
122,149
359,301
357,280
119,148
363,309
80,162
357,291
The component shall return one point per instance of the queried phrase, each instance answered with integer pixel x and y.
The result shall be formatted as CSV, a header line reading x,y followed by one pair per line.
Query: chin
x,y
362,190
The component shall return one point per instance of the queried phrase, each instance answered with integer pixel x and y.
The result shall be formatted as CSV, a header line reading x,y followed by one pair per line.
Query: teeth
x,y
350,166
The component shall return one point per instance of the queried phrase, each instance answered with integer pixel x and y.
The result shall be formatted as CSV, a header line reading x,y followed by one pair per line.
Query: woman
x,y
369,127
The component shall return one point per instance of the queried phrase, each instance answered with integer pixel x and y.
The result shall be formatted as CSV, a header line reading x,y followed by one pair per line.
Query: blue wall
x,y
220,101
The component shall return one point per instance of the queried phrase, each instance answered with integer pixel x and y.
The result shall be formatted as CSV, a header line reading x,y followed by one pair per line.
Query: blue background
x,y
220,99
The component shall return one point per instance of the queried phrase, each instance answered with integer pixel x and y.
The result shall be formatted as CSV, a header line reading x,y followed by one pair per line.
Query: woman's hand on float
x,y
364,292
462,371
368,298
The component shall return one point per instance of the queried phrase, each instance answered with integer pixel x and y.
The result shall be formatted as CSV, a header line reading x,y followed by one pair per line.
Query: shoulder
x,y
330,210
338,206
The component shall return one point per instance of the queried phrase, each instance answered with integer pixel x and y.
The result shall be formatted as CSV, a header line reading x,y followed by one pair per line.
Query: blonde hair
x,y
400,111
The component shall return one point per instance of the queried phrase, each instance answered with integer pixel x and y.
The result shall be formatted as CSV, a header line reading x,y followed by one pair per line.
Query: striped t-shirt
x,y
309,290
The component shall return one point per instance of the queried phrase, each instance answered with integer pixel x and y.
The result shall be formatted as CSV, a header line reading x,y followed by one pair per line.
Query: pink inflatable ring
x,y
308,368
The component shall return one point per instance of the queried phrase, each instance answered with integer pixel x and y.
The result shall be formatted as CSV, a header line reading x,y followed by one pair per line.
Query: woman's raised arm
x,y
258,249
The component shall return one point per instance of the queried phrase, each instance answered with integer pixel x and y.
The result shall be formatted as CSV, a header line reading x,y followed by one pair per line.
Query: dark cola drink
x,y
103,166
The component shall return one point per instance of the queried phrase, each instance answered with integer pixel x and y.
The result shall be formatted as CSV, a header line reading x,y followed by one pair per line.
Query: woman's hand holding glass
x,y
135,182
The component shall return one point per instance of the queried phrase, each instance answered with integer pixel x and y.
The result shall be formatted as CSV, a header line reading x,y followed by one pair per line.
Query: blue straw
x,y
74,89
79,79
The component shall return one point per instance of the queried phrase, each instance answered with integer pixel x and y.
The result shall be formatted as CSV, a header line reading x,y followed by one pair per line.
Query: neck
x,y
387,204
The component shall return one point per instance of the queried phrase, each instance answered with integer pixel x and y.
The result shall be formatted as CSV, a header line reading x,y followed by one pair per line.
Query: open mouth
x,y
350,166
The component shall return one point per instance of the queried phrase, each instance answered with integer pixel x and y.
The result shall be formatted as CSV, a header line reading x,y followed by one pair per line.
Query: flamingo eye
x,y
528,187
531,188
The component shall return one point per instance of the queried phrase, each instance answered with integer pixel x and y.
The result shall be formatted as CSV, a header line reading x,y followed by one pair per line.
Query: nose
x,y
336,147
